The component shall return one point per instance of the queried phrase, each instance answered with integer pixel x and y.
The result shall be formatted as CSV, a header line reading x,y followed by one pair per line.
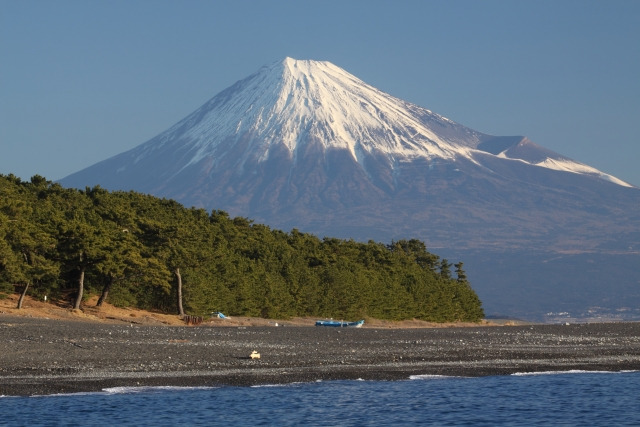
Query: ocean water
x,y
573,398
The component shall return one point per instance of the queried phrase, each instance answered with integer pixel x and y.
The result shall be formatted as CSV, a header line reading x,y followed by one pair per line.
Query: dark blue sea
x,y
549,399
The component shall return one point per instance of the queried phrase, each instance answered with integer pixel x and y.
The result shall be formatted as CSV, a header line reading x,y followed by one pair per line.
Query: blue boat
x,y
218,314
340,323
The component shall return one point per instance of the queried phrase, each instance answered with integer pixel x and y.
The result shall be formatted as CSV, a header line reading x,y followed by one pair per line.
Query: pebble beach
x,y
50,356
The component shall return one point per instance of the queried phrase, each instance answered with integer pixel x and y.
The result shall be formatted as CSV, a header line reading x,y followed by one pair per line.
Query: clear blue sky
x,y
81,81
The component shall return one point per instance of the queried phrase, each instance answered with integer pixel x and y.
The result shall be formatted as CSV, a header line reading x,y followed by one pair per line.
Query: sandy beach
x,y
45,356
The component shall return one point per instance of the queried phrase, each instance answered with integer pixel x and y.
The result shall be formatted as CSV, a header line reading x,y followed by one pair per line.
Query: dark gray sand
x,y
43,356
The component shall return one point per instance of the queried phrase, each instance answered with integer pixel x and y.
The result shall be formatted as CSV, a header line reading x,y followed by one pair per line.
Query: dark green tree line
x,y
141,251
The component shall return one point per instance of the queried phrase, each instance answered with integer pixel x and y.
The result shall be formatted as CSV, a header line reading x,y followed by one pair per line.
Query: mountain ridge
x,y
287,103
304,144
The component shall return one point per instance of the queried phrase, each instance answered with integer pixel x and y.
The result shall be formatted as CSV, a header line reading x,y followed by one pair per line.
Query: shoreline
x,y
46,356
107,313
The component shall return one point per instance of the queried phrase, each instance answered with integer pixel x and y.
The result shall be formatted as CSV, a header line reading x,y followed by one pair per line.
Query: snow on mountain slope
x,y
292,102
532,154
568,165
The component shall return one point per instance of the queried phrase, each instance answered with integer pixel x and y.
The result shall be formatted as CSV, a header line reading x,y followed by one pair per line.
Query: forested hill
x,y
141,251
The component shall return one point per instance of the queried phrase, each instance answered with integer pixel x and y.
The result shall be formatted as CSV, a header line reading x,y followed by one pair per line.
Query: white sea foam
x,y
122,390
572,371
432,377
81,393
278,385
143,389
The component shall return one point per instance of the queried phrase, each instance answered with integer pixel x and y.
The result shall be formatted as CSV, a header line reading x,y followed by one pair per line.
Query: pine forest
x,y
136,250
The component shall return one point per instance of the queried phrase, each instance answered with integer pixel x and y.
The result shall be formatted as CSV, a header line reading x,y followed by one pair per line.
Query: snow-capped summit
x,y
305,144
292,103
300,117
295,102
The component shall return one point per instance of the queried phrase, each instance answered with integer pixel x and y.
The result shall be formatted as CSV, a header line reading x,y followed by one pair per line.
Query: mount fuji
x,y
306,145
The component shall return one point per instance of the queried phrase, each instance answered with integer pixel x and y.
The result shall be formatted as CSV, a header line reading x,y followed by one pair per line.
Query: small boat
x,y
340,323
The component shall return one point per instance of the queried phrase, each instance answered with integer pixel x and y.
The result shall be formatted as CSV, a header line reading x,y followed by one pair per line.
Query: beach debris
x,y
72,343
254,355
192,320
